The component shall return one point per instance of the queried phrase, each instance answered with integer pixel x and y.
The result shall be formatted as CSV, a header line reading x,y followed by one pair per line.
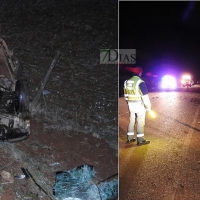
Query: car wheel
x,y
22,96
16,135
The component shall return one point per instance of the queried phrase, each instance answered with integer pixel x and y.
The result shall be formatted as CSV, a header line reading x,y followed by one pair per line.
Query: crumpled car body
x,y
14,98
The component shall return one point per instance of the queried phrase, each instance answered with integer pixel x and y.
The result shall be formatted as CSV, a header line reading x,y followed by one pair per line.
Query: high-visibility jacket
x,y
132,90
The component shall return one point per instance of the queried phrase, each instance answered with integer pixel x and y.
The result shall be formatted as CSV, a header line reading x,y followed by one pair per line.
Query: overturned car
x,y
14,98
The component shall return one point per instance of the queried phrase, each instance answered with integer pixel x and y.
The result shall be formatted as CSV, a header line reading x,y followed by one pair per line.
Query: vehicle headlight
x,y
168,82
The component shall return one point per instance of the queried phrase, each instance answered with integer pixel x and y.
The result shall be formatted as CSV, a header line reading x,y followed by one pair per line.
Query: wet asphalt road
x,y
168,168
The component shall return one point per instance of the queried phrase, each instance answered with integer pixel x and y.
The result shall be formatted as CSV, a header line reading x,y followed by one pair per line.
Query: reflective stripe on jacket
x,y
132,90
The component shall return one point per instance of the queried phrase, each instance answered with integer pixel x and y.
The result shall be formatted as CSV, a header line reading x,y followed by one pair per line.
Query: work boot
x,y
130,138
144,142
130,141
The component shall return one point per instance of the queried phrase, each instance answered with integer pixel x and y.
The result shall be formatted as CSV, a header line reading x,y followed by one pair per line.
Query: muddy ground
x,y
63,135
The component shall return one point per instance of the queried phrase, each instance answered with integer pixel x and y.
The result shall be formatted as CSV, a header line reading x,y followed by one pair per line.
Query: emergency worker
x,y
136,95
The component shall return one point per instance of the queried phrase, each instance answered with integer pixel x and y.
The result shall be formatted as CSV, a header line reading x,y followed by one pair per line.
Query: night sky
x,y
166,35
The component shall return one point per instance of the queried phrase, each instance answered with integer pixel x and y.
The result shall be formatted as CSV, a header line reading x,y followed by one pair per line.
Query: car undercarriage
x,y
14,98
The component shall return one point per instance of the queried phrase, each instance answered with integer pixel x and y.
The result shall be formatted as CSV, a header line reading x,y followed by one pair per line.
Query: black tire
x,y
17,136
12,136
22,96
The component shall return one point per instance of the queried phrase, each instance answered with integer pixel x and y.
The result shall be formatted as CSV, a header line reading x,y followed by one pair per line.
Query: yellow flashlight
x,y
152,114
